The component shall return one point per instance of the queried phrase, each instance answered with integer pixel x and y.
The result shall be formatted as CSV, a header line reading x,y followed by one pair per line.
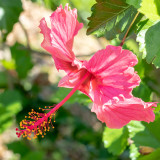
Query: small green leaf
x,y
115,140
23,60
135,3
151,8
152,156
9,14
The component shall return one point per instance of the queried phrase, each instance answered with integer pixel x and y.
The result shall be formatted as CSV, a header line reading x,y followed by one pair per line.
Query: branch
x,y
26,34
41,53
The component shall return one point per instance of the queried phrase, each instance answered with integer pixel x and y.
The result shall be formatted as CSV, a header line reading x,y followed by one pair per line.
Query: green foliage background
x,y
74,136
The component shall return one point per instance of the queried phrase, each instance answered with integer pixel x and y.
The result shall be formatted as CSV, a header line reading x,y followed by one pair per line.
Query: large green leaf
x,y
151,8
153,44
152,156
10,104
111,18
148,38
104,11
9,14
115,140
23,61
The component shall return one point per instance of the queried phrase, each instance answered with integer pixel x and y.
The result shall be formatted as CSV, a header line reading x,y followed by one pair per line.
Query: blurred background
x,y
28,79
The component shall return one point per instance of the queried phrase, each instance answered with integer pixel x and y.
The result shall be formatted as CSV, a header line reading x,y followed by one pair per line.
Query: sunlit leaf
x,y
134,127
8,64
115,140
151,8
135,3
148,39
134,153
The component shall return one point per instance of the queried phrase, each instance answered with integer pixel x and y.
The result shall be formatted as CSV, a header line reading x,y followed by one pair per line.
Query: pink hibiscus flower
x,y
107,78
111,70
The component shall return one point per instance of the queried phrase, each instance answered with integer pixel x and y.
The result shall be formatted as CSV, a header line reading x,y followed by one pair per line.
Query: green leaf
x,y
9,65
152,156
142,134
10,104
77,97
143,92
153,44
115,140
134,127
104,11
148,39
151,9
9,14
112,19
149,136
23,60
142,29
135,3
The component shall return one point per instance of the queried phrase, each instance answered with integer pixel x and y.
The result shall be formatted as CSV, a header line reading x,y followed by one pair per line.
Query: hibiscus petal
x,y
114,74
59,39
119,114
111,60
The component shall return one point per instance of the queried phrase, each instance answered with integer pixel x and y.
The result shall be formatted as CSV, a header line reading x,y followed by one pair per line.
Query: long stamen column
x,y
39,123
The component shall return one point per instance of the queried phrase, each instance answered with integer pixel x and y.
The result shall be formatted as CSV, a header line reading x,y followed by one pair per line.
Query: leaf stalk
x,y
122,42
